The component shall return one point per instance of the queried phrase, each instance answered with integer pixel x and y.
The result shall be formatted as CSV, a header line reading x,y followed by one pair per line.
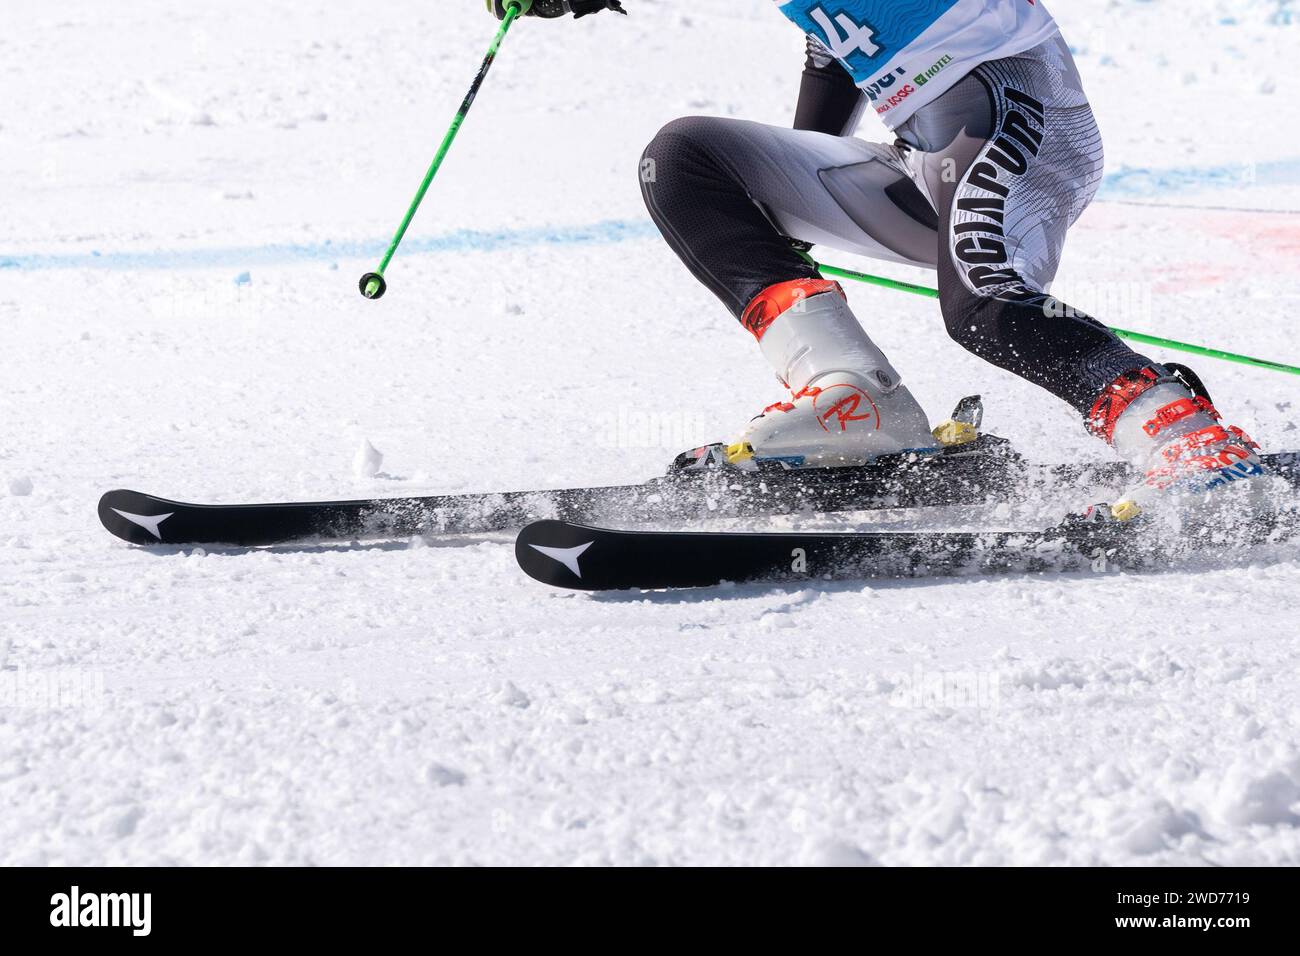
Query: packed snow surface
x,y
189,194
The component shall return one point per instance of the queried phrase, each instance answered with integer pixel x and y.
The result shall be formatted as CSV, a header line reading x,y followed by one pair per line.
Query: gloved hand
x,y
550,9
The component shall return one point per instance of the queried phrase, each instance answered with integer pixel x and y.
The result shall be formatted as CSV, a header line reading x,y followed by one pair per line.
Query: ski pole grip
x,y
502,10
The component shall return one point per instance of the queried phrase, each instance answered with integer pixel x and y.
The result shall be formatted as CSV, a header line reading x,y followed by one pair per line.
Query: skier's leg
x,y
726,194
1012,156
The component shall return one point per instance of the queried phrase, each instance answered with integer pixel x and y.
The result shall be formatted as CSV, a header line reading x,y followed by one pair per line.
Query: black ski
x,y
148,520
700,485
577,557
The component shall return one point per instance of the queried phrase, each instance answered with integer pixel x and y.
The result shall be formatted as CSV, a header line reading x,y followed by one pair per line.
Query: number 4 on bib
x,y
855,38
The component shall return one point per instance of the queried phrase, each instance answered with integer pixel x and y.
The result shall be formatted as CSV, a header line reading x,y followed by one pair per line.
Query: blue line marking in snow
x,y
1126,183
1121,184
243,257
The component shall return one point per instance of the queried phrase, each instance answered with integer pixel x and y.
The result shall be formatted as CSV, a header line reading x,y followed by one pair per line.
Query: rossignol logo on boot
x,y
840,408
102,910
980,243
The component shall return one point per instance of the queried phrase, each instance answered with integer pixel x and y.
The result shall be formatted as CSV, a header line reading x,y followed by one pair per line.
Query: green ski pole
x,y
1205,350
1122,333
876,280
372,283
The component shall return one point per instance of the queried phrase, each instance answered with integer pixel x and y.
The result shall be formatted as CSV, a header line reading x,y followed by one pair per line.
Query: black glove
x,y
550,9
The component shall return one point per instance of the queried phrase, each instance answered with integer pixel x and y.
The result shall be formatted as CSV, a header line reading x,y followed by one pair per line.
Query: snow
x,y
20,486
367,461
190,194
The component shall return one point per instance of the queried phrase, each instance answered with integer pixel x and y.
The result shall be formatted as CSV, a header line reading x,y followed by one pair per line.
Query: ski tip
x,y
134,517
559,554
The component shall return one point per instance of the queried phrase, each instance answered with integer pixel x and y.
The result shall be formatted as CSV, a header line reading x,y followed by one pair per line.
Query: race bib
x,y
865,35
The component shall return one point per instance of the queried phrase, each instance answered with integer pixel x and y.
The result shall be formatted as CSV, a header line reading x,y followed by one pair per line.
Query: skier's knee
x,y
688,133
681,146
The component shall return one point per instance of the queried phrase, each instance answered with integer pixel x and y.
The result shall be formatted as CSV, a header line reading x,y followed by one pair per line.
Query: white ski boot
x,y
1175,440
848,405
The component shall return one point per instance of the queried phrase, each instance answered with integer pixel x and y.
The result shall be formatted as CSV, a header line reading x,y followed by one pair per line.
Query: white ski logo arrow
x,y
150,523
566,556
